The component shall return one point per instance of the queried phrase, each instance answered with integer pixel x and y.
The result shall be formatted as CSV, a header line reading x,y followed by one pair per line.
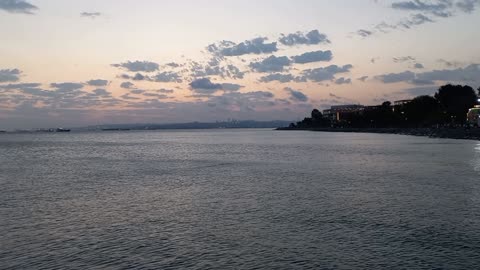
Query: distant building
x,y
339,112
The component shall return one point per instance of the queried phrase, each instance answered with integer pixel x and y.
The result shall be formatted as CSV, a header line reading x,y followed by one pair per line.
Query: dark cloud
x,y
9,75
20,85
91,15
311,38
215,68
155,95
254,46
271,64
17,6
129,97
310,57
98,82
326,73
296,95
138,66
343,80
126,85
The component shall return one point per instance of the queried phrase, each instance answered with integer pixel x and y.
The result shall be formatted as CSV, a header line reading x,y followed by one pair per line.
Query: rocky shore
x,y
449,133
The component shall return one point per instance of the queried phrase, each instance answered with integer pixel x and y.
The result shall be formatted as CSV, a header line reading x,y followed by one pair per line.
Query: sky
x,y
70,63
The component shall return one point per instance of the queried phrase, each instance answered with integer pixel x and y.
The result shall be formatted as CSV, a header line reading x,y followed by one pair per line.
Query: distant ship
x,y
62,130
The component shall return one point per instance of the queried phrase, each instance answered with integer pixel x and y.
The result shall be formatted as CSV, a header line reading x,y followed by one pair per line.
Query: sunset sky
x,y
74,63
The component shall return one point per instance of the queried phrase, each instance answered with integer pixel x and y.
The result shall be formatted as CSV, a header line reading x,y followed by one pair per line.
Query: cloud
x,y
364,33
396,77
326,73
310,57
20,85
126,85
128,97
91,15
343,80
418,66
137,91
271,64
215,68
101,92
403,59
17,6
204,85
363,78
439,8
283,78
296,95
254,46
311,38
98,82
9,75
468,74
138,66
167,76
231,86
166,91
66,86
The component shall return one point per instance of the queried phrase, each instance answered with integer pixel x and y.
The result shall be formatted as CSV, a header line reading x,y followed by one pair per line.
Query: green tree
x,y
455,100
422,111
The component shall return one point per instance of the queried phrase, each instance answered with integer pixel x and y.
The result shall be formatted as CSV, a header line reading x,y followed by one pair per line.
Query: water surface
x,y
238,199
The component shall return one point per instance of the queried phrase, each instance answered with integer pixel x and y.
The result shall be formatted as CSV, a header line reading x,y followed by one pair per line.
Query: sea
x,y
238,199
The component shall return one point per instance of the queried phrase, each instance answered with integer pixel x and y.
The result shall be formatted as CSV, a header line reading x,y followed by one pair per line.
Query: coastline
x,y
445,133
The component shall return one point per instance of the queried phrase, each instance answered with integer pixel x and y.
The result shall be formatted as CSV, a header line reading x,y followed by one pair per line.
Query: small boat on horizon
x,y
62,130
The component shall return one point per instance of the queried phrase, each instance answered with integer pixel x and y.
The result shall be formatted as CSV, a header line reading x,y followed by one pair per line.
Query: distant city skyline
x,y
77,63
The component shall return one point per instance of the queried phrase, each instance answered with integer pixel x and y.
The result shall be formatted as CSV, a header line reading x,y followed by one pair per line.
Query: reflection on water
x,y
238,199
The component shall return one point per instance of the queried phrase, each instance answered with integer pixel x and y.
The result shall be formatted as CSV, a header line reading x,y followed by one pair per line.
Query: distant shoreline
x,y
445,133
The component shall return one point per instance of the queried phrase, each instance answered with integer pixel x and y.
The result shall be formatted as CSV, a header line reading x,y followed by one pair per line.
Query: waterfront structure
x,y
473,116
339,112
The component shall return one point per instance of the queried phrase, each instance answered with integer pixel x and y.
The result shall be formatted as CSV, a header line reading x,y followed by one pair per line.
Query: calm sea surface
x,y
238,199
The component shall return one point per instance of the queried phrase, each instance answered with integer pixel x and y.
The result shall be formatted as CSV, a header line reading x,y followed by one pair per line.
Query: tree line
x,y
448,107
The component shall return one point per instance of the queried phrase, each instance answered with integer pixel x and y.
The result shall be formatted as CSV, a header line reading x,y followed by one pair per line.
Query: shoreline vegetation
x,y
453,112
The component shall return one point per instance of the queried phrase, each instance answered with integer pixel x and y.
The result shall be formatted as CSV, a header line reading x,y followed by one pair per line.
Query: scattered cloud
x,y
468,74
167,76
271,64
17,6
138,66
66,86
254,46
205,85
283,78
296,95
326,73
343,80
364,33
404,59
311,38
126,85
98,82
9,75
363,78
310,57
418,66
91,15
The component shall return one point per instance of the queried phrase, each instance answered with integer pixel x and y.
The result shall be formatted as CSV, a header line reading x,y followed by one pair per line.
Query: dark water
x,y
238,199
